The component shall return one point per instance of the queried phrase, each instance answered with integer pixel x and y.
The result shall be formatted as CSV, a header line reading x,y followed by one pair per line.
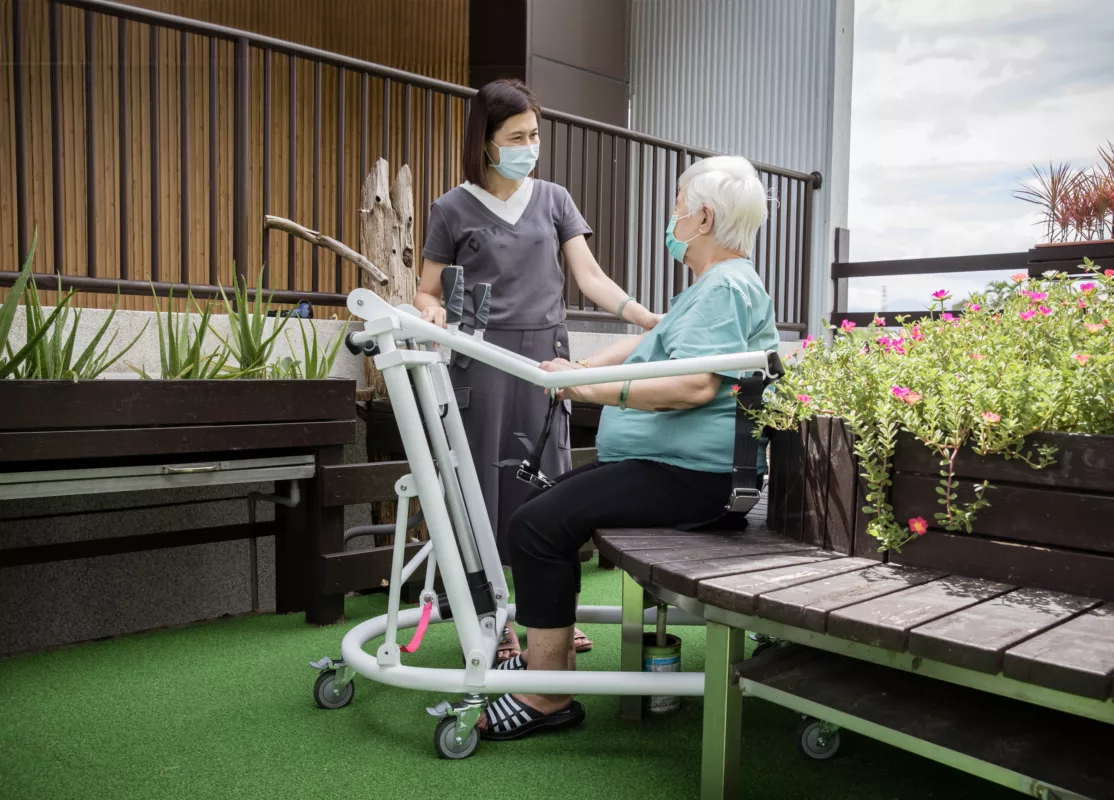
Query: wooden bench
x,y
986,676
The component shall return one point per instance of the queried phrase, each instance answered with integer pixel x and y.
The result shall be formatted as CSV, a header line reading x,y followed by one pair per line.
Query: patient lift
x,y
462,544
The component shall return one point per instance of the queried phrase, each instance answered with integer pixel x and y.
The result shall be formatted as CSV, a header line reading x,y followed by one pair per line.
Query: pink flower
x,y
917,335
734,390
913,398
1082,303
991,417
974,307
804,398
1109,273
947,317
918,525
1036,296
1028,315
879,322
978,356
941,294
1093,327
1082,358
847,325
1045,310
1018,277
900,392
1087,288
807,342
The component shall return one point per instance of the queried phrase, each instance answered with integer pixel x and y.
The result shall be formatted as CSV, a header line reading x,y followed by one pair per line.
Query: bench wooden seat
x,y
1051,639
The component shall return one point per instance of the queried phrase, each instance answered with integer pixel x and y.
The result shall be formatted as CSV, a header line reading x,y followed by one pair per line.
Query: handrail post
x,y
842,256
241,162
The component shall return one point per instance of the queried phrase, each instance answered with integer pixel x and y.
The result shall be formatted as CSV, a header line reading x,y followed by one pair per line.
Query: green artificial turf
x,y
224,710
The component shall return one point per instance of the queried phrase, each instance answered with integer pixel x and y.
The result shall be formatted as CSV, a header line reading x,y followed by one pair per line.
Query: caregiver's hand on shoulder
x,y
434,314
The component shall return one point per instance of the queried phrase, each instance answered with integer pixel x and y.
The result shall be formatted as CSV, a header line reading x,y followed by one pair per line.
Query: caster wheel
x,y
323,691
444,740
809,740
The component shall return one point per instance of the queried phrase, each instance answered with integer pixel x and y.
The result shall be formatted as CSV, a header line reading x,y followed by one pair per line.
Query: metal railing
x,y
623,182
1067,259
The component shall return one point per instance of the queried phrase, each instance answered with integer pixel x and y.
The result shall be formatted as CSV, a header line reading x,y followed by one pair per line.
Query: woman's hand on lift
x,y
578,393
434,314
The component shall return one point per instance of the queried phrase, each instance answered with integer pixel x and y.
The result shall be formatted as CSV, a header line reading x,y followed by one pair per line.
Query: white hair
x,y
730,186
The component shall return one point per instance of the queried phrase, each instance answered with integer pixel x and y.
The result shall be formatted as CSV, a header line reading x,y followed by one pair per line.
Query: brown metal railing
x,y
250,108
1035,262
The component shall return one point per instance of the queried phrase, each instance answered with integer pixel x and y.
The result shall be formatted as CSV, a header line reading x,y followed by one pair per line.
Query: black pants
x,y
547,532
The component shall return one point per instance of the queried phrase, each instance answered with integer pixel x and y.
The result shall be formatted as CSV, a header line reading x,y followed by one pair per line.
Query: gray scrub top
x,y
520,261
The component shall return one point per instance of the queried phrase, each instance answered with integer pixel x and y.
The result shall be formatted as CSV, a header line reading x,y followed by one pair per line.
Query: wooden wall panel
x,y
428,37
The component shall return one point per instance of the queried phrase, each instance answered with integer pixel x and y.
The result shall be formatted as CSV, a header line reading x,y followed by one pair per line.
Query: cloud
x,y
952,102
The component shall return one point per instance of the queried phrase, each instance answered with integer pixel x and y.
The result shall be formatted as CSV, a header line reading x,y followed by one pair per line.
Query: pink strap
x,y
419,632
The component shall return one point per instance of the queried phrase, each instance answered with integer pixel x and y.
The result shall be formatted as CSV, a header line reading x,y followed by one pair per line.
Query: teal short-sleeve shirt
x,y
726,311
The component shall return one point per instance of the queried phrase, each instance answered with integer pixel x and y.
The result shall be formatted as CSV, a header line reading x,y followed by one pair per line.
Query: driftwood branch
x,y
329,243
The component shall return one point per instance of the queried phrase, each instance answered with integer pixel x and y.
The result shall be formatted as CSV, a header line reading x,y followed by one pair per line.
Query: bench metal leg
x,y
630,653
723,707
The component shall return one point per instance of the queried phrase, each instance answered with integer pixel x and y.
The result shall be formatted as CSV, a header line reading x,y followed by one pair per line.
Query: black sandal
x,y
509,719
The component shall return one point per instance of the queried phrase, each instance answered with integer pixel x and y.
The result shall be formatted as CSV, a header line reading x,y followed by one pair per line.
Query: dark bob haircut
x,y
493,105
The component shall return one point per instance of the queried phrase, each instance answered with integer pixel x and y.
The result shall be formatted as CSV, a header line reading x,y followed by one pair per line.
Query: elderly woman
x,y
665,445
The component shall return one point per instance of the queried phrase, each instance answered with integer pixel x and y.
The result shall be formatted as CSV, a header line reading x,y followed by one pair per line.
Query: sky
x,y
952,101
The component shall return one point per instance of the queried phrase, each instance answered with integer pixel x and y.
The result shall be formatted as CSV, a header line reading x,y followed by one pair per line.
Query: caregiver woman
x,y
510,230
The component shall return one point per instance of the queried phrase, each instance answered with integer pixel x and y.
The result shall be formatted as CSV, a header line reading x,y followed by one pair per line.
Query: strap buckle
x,y
743,500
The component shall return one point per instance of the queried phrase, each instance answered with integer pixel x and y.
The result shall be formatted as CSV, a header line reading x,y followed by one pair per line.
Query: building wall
x,y
766,80
389,32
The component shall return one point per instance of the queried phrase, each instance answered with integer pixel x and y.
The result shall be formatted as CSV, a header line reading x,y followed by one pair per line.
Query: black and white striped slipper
x,y
512,719
512,663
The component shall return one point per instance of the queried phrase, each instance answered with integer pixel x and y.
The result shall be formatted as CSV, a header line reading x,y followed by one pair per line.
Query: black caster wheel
x,y
323,691
762,648
444,740
810,742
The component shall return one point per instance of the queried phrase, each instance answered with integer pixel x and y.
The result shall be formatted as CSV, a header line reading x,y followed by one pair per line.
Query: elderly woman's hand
x,y
563,365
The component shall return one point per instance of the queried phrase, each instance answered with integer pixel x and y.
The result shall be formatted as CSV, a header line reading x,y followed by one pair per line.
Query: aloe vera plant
x,y
49,350
249,342
181,345
52,357
316,364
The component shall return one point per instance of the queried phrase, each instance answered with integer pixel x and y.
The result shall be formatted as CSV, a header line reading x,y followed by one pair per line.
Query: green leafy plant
x,y
1039,358
10,361
249,342
181,345
52,357
51,339
315,364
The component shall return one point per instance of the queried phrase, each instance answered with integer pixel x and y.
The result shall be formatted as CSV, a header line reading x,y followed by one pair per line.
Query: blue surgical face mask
x,y
677,248
515,163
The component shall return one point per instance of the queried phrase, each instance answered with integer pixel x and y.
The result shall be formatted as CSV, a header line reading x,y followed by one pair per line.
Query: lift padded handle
x,y
481,301
452,290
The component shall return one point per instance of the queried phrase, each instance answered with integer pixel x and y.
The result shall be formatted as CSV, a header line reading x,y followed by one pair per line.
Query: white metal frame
x,y
460,531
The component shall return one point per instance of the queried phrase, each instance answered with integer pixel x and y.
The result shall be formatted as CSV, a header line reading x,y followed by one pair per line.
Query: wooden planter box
x,y
1050,528
61,420
1068,256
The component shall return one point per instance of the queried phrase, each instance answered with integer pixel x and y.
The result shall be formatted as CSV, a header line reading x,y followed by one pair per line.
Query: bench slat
x,y
612,544
640,563
684,577
740,593
977,637
808,605
886,621
1077,656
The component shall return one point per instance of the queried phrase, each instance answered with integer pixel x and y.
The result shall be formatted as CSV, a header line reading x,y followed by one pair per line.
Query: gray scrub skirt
x,y
495,406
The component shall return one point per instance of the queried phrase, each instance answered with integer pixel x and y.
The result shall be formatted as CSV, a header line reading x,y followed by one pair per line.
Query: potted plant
x,y
955,438
198,402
